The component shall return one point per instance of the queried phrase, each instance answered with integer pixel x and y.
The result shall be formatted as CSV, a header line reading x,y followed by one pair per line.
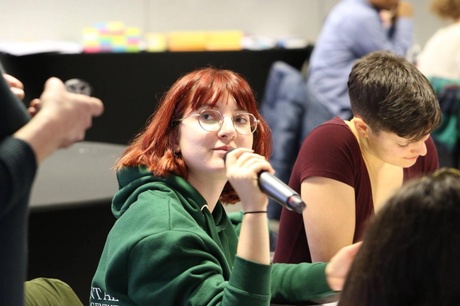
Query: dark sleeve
x,y
13,113
18,166
17,160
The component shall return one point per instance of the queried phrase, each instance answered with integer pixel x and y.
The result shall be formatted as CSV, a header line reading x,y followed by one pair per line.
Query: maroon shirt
x,y
332,151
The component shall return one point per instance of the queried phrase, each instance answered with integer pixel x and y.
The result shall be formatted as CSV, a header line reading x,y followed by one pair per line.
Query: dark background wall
x,y
131,84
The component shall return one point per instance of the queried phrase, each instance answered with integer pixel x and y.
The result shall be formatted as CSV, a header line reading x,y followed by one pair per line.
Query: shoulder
x,y
333,137
162,209
332,151
332,134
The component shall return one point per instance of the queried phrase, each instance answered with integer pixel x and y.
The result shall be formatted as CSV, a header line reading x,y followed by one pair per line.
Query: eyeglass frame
x,y
221,121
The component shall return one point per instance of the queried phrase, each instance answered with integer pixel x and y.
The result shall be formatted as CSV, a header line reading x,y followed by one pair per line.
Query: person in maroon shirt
x,y
346,170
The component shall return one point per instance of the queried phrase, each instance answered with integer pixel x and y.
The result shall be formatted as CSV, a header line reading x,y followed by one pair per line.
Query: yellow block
x,y
187,41
224,40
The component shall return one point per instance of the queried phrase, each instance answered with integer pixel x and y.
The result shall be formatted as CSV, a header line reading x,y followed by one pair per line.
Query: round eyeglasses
x,y
212,120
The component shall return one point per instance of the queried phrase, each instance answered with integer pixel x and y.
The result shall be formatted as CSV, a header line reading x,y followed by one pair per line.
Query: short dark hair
x,y
410,251
390,94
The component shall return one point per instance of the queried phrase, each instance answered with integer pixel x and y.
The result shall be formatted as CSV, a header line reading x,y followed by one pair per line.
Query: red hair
x,y
152,149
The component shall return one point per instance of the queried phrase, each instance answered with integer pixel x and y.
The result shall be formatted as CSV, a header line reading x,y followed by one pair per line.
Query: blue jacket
x,y
283,107
352,29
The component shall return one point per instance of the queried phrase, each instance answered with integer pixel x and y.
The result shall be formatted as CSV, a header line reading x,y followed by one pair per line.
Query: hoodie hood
x,y
133,181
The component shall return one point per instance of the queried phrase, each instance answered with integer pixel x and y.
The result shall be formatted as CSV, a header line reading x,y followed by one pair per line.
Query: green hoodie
x,y
166,248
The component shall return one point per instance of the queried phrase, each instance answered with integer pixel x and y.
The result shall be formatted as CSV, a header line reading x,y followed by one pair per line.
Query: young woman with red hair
x,y
173,243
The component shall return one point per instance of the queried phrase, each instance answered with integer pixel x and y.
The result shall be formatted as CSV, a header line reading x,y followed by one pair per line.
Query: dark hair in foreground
x,y
152,147
390,94
410,254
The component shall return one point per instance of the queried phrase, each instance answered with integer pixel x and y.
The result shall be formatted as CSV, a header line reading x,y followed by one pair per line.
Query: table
x,y
79,175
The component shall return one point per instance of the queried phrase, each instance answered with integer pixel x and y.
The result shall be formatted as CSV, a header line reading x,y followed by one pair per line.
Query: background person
x,y
352,29
440,56
439,61
346,170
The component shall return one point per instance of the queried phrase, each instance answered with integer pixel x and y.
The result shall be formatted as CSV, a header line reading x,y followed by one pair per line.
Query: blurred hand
x,y
16,86
34,107
337,269
71,113
60,118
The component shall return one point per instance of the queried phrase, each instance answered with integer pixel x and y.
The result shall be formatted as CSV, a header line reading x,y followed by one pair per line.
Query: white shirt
x,y
440,56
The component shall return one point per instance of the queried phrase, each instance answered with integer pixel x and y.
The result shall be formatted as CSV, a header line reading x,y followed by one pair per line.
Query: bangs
x,y
219,86
419,136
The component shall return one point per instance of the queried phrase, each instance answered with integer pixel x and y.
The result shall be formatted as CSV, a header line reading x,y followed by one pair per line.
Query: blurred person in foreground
x,y
410,252
59,118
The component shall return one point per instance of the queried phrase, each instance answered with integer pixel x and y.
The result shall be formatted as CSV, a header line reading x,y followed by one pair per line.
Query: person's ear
x,y
174,141
361,127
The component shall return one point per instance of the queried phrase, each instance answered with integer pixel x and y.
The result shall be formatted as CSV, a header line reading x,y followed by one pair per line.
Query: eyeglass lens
x,y
212,120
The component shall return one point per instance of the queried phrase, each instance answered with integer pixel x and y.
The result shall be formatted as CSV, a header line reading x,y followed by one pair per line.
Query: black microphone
x,y
277,190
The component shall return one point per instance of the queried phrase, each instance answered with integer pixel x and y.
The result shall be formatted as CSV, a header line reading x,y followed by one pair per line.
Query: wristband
x,y
255,212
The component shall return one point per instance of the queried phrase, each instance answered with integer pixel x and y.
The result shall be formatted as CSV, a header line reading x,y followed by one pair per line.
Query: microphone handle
x,y
280,192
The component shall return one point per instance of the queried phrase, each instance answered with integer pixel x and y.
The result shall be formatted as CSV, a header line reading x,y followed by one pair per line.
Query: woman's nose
x,y
227,127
